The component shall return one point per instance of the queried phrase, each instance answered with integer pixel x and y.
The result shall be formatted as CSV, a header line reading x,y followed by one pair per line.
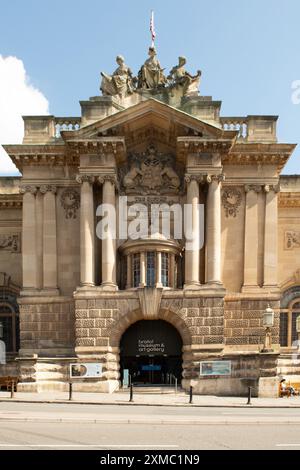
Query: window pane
x,y
151,269
294,329
283,329
136,270
7,332
165,269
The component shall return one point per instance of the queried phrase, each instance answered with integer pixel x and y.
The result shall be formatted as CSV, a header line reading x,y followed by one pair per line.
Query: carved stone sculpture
x,y
70,201
231,200
180,78
292,240
120,83
151,75
10,242
150,173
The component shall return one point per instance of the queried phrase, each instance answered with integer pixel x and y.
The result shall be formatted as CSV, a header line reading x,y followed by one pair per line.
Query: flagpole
x,y
152,29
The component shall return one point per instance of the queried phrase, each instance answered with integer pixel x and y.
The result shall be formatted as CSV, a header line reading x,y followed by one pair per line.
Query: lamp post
x,y
268,323
298,330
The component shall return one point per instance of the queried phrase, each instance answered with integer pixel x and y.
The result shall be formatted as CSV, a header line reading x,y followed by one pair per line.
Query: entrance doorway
x,y
151,354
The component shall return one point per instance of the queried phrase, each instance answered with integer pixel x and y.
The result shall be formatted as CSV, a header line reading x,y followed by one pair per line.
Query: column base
x,y
109,286
193,285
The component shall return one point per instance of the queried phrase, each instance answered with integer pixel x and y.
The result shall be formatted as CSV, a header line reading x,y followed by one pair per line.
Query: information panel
x,y
216,368
89,370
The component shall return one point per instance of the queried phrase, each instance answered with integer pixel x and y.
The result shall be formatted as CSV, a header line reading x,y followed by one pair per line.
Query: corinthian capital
x,y
28,189
48,188
215,178
111,178
85,179
256,188
272,187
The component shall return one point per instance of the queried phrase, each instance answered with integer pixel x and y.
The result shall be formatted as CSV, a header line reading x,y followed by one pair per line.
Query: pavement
x,y
180,399
55,426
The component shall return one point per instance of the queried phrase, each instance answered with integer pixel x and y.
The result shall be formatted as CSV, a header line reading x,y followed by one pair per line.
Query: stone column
x,y
129,272
192,251
39,203
271,243
87,231
158,270
213,230
142,269
49,239
109,244
172,270
251,238
29,252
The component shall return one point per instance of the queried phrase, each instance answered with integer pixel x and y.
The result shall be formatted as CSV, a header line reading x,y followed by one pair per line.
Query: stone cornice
x,y
197,145
258,153
41,155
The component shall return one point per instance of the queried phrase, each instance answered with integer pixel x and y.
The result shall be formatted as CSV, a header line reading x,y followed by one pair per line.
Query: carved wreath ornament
x,y
70,201
231,200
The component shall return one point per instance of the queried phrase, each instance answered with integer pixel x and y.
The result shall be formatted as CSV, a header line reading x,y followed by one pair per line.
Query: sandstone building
x,y
149,306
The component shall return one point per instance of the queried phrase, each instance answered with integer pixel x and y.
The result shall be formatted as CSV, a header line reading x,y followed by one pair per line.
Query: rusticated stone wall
x,y
244,322
46,326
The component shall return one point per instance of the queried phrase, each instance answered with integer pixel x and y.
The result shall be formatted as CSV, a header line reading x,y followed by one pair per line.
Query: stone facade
x,y
75,296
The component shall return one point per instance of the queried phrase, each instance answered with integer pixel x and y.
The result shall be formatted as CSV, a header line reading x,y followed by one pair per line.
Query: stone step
x,y
152,390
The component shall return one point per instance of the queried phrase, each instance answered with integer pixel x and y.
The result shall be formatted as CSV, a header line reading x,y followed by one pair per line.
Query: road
x,y
101,427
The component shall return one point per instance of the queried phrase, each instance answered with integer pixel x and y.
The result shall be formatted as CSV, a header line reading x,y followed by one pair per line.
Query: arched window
x,y
289,312
11,330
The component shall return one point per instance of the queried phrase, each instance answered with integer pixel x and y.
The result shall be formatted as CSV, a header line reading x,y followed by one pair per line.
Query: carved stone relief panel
x,y
150,173
70,201
291,240
11,243
231,200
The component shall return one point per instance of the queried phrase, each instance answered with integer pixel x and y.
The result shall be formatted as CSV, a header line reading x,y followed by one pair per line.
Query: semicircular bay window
x,y
288,319
151,263
11,331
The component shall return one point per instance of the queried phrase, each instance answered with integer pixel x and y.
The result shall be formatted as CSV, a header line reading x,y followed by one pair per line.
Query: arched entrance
x,y
151,353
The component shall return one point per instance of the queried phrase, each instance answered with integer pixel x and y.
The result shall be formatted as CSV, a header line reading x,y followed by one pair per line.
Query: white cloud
x,y
17,98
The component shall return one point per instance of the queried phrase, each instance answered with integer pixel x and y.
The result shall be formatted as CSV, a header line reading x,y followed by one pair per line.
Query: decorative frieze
x,y
70,202
10,243
231,200
291,240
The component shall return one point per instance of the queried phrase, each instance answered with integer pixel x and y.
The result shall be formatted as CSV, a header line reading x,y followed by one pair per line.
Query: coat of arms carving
x,y
150,173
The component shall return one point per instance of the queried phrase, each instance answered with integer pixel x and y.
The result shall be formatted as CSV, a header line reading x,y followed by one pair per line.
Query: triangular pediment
x,y
150,120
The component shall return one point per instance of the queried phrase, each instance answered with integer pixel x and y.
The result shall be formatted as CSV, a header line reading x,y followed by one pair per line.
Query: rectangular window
x,y
165,269
136,270
150,269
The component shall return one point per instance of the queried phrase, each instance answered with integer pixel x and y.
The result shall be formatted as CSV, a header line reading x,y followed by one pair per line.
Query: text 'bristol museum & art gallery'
x,y
151,308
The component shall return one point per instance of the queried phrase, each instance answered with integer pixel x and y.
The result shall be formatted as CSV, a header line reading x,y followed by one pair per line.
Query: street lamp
x,y
268,323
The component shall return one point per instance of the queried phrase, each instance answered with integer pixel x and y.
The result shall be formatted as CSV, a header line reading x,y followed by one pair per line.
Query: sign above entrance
x,y
151,338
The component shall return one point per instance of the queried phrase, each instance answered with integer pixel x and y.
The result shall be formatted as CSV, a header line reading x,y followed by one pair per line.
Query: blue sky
x,y
248,51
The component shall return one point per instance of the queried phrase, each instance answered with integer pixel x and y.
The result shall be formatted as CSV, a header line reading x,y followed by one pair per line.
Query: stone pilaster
x,y
87,229
109,246
213,230
251,238
29,252
129,271
49,239
158,270
192,251
271,235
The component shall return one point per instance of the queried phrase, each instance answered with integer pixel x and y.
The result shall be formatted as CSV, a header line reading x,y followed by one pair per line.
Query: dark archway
x,y
151,354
